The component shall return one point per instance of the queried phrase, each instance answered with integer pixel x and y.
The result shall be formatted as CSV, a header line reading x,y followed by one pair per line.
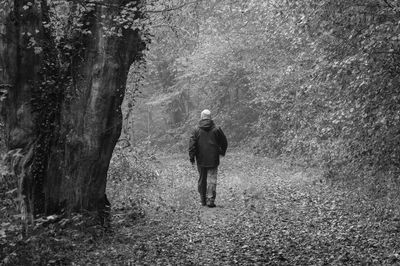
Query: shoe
x,y
211,205
203,202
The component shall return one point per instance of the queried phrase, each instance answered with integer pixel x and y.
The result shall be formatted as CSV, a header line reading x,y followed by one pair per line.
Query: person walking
x,y
207,143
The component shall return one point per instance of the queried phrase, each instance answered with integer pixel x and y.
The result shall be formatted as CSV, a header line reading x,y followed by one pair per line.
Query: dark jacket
x,y
207,143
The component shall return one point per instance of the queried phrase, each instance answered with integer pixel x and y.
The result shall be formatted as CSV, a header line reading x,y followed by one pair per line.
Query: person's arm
x,y
222,141
193,146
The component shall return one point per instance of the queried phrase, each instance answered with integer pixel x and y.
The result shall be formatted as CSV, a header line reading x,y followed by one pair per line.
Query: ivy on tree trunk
x,y
63,106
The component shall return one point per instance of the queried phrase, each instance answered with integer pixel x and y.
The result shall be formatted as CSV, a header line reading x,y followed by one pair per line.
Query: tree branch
x,y
387,3
173,8
172,27
127,8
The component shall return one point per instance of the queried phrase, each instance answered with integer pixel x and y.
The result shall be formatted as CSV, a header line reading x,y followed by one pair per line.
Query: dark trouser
x,y
207,190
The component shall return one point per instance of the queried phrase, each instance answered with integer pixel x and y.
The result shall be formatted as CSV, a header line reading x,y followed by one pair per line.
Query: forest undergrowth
x,y
268,212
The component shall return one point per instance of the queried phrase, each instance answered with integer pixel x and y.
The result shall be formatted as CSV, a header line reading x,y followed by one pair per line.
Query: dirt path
x,y
266,214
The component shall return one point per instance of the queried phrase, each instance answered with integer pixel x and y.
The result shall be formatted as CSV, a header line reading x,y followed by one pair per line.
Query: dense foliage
x,y
317,82
357,75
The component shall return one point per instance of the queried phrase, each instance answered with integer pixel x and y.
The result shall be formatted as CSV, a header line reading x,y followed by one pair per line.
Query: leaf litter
x,y
267,213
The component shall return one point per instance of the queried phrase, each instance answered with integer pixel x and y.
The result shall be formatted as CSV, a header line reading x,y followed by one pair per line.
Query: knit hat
x,y
206,114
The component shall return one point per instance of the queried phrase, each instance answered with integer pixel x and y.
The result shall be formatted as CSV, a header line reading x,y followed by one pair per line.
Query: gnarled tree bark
x,y
63,111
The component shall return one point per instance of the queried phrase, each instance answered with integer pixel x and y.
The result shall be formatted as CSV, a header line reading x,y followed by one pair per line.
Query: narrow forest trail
x,y
266,214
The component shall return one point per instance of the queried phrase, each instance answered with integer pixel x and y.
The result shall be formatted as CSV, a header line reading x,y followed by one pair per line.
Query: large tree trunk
x,y
67,127
21,67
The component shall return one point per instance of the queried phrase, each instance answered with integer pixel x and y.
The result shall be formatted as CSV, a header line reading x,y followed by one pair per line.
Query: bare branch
x,y
173,8
127,8
172,27
387,3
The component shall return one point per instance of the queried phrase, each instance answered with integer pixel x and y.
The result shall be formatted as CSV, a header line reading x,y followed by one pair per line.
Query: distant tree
x,y
64,66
